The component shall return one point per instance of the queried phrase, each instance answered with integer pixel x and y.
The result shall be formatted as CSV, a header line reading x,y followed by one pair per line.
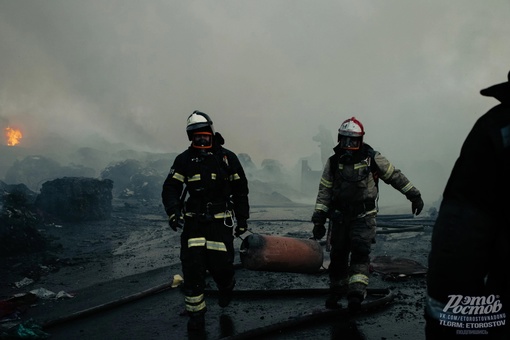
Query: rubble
x,y
74,199
133,178
18,221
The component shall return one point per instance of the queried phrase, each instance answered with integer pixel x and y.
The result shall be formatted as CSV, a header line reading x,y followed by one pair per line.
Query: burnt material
x,y
74,199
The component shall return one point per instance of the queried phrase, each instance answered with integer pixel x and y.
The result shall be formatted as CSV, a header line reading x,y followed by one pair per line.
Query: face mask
x,y
350,143
202,140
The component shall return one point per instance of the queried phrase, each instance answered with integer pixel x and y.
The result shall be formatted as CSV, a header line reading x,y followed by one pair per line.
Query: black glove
x,y
175,221
416,205
319,230
319,217
241,228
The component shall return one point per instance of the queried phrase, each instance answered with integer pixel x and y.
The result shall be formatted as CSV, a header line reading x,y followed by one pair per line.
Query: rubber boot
x,y
337,289
226,326
225,295
355,296
196,322
354,302
332,301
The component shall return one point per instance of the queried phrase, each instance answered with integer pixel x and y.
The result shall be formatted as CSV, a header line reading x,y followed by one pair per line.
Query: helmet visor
x,y
202,140
350,143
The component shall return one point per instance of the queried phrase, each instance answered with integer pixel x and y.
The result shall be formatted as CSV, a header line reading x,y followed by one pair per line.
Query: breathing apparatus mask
x,y
202,140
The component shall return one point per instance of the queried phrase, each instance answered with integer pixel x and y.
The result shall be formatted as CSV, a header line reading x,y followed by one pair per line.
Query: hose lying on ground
x,y
316,317
108,305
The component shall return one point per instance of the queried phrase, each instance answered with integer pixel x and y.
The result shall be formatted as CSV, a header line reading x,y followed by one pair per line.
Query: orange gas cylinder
x,y
282,254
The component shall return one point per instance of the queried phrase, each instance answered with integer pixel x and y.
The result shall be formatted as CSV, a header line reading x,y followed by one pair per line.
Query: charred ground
x,y
134,251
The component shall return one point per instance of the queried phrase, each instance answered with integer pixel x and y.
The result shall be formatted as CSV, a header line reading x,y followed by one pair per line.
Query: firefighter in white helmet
x,y
347,196
206,194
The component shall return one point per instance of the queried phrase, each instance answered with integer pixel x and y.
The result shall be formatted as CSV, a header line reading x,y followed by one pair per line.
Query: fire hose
x,y
322,315
108,305
317,316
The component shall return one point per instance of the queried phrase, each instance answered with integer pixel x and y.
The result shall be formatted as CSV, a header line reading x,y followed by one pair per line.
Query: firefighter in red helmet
x,y
347,196
206,194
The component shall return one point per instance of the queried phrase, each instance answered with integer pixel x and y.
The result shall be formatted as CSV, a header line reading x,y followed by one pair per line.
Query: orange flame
x,y
13,136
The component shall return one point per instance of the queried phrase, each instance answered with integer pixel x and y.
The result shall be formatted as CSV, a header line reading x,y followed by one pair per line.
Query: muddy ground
x,y
115,277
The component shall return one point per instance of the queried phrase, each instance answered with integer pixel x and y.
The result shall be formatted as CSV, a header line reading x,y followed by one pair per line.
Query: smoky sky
x,y
268,72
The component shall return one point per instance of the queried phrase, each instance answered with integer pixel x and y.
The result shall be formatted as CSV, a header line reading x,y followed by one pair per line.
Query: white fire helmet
x,y
200,130
350,134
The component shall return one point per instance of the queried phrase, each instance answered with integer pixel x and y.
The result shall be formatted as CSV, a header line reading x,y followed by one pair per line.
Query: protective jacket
x,y
215,183
349,182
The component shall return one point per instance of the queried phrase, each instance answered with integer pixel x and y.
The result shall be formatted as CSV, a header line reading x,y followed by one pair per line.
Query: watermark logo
x,y
472,314
473,305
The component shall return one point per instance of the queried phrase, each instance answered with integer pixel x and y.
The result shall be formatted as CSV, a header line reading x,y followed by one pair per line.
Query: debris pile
x,y
18,221
132,178
72,199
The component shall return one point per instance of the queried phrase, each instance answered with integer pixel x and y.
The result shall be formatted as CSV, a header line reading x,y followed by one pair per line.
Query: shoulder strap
x,y
333,164
373,166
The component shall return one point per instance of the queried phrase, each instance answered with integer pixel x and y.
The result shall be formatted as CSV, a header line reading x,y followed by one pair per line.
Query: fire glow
x,y
13,136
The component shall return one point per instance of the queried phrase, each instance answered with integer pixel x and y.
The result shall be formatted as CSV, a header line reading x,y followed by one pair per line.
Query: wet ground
x,y
117,276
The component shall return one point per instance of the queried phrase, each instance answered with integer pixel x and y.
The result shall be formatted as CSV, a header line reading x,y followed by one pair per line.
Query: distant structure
x,y
326,143
309,179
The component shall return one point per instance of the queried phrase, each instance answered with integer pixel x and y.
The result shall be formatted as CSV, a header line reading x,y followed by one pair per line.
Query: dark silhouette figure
x,y
468,278
326,143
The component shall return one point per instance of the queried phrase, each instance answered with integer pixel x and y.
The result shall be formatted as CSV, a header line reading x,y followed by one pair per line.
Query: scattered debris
x,y
44,293
177,280
25,330
25,282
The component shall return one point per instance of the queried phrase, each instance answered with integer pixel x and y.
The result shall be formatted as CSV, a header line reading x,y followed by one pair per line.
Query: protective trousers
x,y
205,246
351,242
